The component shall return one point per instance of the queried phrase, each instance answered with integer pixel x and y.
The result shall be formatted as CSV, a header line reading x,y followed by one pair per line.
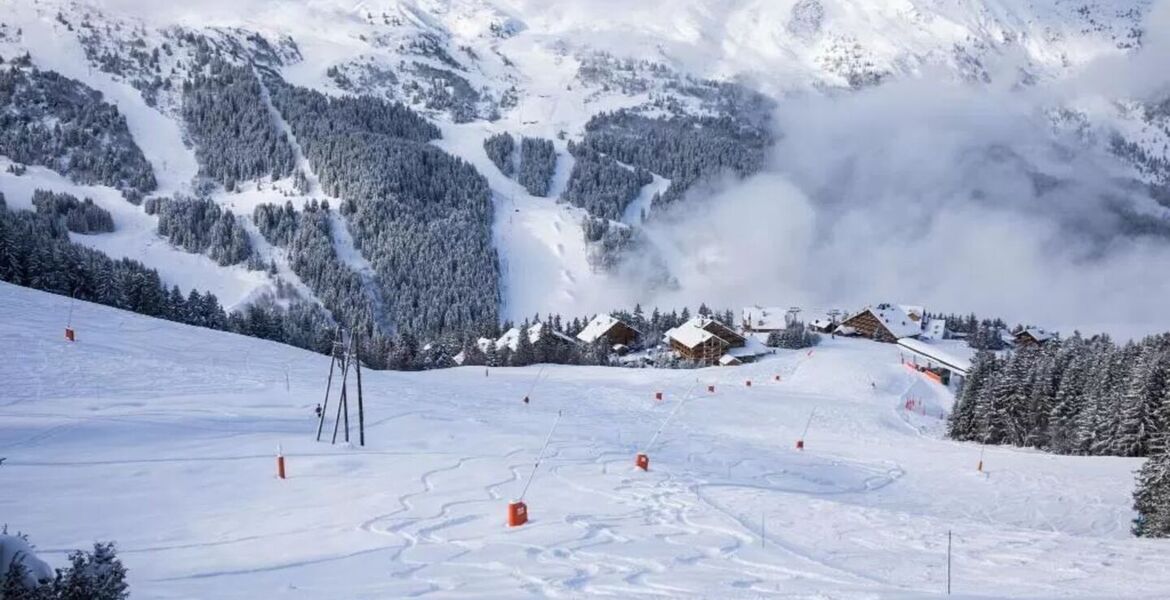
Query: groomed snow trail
x,y
161,437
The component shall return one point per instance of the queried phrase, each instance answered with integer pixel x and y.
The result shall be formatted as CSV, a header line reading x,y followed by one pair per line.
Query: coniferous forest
x,y
59,123
1085,396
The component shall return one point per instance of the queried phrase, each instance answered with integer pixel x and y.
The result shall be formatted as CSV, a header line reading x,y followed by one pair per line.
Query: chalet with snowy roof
x,y
704,340
729,335
614,331
823,325
885,322
1032,336
761,319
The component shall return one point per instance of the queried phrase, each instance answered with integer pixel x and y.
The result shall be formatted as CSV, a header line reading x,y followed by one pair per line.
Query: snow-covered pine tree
x,y
1141,400
1151,496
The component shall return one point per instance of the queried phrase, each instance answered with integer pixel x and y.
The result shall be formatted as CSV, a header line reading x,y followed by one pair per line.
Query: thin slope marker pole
x,y
948,561
540,456
328,385
536,380
361,409
808,423
684,399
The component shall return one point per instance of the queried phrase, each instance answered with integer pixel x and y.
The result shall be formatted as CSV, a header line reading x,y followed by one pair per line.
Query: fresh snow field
x,y
162,437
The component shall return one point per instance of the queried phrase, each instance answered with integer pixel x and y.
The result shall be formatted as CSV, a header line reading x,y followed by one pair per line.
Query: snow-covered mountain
x,y
742,123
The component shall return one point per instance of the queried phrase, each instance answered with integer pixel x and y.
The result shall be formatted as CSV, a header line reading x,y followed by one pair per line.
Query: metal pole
x,y
361,409
684,399
328,385
532,388
948,561
540,456
341,401
808,424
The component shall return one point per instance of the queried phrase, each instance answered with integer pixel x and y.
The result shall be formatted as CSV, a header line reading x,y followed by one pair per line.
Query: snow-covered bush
x,y
96,575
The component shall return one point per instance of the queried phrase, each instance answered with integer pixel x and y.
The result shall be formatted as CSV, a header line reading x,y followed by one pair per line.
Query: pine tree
x,y
1151,496
523,355
1140,414
99,575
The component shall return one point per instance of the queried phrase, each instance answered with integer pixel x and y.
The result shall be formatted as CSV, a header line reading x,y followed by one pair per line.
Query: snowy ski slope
x,y
162,436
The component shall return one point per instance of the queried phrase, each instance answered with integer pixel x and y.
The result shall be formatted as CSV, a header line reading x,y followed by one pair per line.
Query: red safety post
x,y
642,461
658,396
777,378
800,444
517,513
279,463
711,389
69,335
748,383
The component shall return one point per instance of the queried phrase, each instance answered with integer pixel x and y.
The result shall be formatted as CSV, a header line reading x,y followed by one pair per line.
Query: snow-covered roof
x,y
765,317
902,320
955,356
689,335
752,347
728,359
693,332
1038,334
511,338
936,329
596,328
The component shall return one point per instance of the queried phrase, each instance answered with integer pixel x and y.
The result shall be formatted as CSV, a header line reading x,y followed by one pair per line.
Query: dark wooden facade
x,y
868,325
727,334
1025,339
707,353
620,333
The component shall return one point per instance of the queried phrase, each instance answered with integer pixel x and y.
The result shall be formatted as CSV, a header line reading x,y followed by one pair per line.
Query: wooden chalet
x,y
703,340
614,331
885,323
727,334
1032,336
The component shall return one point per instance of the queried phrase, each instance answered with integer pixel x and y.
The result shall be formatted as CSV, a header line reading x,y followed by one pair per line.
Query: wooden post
x,y
361,409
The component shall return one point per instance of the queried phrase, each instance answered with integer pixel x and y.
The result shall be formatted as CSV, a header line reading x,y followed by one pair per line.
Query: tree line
x,y
79,216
